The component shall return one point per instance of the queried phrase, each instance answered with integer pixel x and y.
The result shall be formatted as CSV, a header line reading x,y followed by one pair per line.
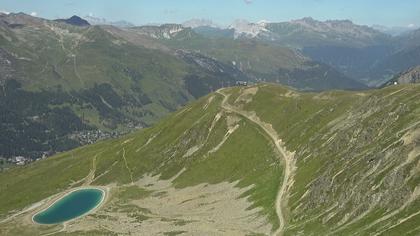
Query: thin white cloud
x,y
411,26
34,13
248,1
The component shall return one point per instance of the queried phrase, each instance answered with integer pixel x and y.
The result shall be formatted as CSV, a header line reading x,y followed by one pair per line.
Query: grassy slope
x,y
352,164
247,157
349,158
82,70
76,58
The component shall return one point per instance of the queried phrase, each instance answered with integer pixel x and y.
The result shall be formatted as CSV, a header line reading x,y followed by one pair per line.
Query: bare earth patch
x,y
205,209
246,95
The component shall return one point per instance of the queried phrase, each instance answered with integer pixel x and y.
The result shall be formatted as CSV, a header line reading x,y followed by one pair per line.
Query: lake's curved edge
x,y
104,191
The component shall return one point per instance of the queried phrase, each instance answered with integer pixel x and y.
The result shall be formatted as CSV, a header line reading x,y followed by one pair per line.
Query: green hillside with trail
x,y
257,160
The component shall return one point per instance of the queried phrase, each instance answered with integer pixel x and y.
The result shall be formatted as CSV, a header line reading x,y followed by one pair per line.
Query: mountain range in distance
x,y
304,127
371,55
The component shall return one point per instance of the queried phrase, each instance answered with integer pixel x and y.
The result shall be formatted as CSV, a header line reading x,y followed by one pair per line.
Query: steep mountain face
x,y
258,60
261,160
317,77
404,54
411,76
408,40
397,62
362,64
221,74
243,28
166,31
351,49
308,32
365,54
61,83
373,62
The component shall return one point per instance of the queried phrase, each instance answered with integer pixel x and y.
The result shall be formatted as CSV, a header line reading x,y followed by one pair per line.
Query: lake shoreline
x,y
64,194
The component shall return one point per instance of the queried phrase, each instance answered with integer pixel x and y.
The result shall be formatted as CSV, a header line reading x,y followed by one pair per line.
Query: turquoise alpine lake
x,y
71,206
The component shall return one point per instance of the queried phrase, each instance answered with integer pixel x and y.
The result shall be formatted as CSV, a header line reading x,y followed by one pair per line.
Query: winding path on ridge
x,y
287,156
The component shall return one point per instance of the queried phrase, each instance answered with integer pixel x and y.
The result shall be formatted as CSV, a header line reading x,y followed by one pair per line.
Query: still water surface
x,y
71,206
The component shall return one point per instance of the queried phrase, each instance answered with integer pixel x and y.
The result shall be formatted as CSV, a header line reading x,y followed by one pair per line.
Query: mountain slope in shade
x,y
373,63
396,63
70,81
261,160
362,53
258,60
408,40
351,49
74,20
394,30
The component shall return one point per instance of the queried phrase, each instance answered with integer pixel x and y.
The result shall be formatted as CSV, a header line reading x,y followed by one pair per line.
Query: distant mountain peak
x,y
74,20
312,21
306,19
345,21
164,31
4,12
263,22
195,23
244,27
102,21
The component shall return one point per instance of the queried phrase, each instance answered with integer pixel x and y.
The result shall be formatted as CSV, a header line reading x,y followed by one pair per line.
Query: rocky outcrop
x,y
411,76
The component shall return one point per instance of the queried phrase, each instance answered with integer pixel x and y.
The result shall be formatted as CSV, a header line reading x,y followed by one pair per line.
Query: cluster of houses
x,y
21,160
17,160
92,136
241,83
84,137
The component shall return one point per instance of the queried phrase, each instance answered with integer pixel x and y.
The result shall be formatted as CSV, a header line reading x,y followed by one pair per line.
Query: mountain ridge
x,y
74,20
90,75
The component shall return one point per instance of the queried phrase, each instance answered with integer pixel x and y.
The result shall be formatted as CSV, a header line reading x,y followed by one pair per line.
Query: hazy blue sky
x,y
384,12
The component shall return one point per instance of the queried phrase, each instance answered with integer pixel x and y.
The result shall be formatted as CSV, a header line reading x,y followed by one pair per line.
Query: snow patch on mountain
x,y
195,23
245,28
